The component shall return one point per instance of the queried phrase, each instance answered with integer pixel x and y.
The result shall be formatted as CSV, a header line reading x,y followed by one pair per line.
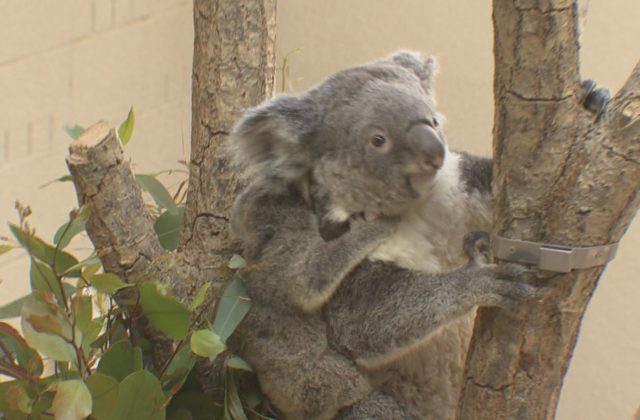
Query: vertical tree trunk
x,y
555,169
233,69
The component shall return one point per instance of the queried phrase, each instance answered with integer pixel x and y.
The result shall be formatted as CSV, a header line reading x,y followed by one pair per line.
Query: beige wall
x,y
76,61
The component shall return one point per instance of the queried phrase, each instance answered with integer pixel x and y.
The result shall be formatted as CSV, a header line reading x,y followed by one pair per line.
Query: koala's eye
x,y
433,122
378,140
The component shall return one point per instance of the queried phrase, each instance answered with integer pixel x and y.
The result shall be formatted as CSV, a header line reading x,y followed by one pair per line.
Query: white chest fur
x,y
429,237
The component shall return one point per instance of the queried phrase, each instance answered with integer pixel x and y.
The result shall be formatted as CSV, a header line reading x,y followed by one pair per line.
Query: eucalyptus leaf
x,y
237,262
12,310
43,279
45,252
164,311
4,248
167,227
126,128
158,192
201,295
178,370
104,392
71,228
199,406
19,351
107,282
74,131
233,409
47,330
120,360
139,397
238,363
232,308
206,343
72,401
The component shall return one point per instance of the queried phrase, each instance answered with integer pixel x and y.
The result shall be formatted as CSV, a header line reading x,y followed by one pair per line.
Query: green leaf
x,y
126,128
167,227
19,351
232,308
104,390
45,252
43,279
233,409
5,248
176,374
238,363
68,230
90,261
72,401
120,360
206,343
12,310
139,397
81,310
18,398
164,311
201,295
63,178
44,325
237,262
199,405
158,192
74,131
107,282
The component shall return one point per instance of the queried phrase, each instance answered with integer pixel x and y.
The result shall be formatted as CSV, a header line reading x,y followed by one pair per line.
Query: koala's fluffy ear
x,y
425,69
266,140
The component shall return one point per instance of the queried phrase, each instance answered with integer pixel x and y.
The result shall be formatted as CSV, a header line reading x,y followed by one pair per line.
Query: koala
x,y
354,208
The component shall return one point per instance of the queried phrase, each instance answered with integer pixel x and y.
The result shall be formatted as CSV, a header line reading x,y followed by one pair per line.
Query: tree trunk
x,y
555,168
233,69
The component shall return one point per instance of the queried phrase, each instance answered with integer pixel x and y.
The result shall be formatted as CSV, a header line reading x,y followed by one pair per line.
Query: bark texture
x,y
233,69
560,177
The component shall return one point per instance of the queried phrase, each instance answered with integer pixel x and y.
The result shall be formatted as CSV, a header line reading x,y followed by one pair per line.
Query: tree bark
x,y
561,178
233,69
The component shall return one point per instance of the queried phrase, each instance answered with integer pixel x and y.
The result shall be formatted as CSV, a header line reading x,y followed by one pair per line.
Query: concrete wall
x,y
77,61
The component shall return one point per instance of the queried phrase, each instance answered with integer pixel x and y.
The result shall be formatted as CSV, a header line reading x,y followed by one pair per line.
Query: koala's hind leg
x,y
297,370
376,406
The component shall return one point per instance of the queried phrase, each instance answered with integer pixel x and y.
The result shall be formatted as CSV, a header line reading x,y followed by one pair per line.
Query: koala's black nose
x,y
430,149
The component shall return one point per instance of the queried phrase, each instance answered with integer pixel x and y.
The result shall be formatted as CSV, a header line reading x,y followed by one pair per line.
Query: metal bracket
x,y
549,257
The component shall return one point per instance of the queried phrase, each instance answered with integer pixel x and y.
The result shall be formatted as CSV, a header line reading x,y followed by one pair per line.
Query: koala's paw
x,y
505,286
595,99
477,247
510,271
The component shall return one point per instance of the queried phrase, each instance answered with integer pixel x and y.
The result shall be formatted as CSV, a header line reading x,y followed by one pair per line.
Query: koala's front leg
x,y
321,266
382,311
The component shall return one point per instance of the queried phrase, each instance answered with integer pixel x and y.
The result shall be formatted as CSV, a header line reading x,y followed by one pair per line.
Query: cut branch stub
x,y
120,226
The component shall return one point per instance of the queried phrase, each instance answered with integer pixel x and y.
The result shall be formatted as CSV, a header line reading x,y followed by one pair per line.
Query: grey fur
x,y
477,173
326,323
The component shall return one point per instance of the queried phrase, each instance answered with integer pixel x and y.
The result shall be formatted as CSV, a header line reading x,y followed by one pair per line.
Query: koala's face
x,y
369,137
384,148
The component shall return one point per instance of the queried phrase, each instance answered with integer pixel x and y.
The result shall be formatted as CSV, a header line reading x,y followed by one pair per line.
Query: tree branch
x,y
554,172
119,226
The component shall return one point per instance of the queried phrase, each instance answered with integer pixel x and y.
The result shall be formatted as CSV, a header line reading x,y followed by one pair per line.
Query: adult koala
x,y
354,168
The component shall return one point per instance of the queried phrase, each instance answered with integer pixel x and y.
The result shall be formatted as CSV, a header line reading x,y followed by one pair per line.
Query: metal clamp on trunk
x,y
549,257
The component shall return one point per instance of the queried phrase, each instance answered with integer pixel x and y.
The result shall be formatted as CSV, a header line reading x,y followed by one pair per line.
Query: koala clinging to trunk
x,y
353,209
